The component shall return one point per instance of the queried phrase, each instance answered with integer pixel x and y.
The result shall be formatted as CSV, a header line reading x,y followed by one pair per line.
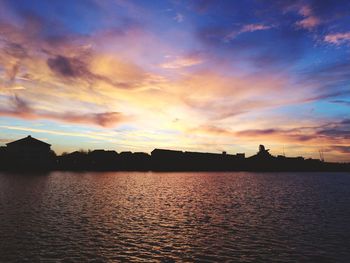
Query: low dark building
x,y
240,156
166,153
172,160
103,160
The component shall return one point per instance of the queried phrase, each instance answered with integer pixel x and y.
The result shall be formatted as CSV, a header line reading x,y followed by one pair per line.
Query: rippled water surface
x,y
209,217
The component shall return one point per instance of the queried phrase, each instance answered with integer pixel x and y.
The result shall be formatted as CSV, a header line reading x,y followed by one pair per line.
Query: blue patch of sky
x,y
77,16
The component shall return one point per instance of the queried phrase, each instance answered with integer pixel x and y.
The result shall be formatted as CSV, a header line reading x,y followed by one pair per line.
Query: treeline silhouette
x,y
31,154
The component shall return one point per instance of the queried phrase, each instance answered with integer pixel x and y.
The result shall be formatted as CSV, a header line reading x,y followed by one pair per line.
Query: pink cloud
x,y
305,11
338,38
309,21
254,27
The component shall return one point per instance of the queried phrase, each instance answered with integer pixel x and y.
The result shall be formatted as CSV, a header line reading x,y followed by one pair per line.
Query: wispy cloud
x,y
182,62
179,17
344,102
53,132
247,28
309,21
338,38
254,27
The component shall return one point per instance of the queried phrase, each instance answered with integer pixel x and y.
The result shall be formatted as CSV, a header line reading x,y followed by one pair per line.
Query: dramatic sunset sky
x,y
192,75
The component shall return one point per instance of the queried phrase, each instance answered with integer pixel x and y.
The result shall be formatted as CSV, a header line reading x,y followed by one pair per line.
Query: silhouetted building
x,y
29,152
103,160
262,154
77,160
29,147
32,154
240,155
172,160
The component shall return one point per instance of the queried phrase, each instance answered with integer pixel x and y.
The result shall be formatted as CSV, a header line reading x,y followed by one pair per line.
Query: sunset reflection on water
x,y
175,216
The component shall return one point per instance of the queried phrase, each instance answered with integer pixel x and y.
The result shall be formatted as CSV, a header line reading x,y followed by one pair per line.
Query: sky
x,y
200,75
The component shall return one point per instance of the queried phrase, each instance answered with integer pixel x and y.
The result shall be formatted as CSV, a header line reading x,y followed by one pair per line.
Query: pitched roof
x,y
29,140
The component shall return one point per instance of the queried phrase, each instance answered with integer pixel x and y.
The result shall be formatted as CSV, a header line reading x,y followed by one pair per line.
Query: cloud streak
x,y
21,109
247,29
338,38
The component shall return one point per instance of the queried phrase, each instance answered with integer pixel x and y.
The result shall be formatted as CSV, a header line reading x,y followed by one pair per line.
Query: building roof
x,y
29,140
165,151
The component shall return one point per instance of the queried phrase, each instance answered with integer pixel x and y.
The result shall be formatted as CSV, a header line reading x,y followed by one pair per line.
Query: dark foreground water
x,y
206,217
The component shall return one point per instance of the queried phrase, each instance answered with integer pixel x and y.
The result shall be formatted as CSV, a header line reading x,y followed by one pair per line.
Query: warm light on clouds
x,y
181,62
188,75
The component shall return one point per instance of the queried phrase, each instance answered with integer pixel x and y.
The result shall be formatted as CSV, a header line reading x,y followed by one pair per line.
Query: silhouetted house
x,y
30,152
3,156
29,147
141,160
103,160
138,161
77,160
141,156
99,156
126,154
3,149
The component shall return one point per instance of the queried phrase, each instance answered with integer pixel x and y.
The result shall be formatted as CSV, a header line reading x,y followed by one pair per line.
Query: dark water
x,y
186,217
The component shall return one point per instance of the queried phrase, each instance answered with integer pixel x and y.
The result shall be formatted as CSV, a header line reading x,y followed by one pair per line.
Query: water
x,y
209,217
